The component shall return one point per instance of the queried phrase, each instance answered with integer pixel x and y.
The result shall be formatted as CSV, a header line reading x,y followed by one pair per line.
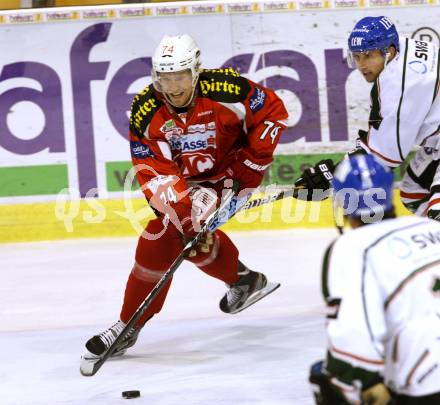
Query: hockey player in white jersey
x,y
381,284
405,109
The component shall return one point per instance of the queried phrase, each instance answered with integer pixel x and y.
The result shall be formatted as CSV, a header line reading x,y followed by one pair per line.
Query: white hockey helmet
x,y
174,54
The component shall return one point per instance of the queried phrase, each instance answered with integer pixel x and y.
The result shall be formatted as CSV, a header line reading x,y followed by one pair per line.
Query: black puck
x,y
131,394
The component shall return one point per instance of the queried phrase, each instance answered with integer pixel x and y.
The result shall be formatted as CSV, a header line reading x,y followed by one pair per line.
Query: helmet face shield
x,y
173,81
353,58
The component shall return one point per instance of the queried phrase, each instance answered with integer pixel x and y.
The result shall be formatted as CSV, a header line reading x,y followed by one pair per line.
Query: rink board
x,y
65,93
116,218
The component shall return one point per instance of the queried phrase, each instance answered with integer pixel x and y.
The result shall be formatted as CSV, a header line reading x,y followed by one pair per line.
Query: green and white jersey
x,y
405,104
381,283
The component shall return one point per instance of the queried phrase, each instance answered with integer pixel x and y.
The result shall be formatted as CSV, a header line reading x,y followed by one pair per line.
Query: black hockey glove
x,y
316,180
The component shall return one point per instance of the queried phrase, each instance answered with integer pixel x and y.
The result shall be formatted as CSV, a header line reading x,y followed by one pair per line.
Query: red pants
x,y
155,256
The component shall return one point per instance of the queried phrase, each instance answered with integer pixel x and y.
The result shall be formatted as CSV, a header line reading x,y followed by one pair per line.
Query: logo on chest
x,y
199,137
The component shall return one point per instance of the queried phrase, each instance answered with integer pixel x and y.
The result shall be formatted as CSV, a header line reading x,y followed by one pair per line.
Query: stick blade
x,y
90,366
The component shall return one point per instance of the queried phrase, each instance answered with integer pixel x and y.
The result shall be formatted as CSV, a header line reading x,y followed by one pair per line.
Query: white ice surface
x,y
55,295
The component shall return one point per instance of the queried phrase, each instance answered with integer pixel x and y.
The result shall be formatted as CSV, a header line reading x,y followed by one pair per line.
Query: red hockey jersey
x,y
229,114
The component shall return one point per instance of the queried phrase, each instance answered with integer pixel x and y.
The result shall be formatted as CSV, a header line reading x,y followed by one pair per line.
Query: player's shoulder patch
x,y
139,150
143,108
257,99
223,85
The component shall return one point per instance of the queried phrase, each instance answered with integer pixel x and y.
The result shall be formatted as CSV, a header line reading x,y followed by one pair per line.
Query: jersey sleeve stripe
x,y
396,162
401,99
419,361
415,196
433,202
356,357
409,278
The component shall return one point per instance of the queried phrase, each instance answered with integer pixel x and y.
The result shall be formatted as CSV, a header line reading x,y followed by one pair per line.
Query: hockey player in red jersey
x,y
191,131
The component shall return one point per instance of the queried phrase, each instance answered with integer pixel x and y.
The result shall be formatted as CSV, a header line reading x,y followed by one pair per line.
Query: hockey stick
x,y
94,367
293,192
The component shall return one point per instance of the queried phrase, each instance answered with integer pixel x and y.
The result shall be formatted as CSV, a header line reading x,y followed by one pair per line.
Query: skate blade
x,y
257,296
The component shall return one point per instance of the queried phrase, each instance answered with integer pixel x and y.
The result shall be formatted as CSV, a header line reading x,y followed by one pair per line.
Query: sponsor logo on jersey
x,y
192,129
427,239
421,50
426,34
142,111
256,102
169,126
418,66
140,150
215,86
400,247
203,113
255,166
199,137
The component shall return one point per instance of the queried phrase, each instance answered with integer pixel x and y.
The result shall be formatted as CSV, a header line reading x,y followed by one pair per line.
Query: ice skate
x,y
98,344
250,288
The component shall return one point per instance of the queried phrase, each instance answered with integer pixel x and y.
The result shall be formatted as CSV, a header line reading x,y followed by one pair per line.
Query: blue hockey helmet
x,y
363,187
372,33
